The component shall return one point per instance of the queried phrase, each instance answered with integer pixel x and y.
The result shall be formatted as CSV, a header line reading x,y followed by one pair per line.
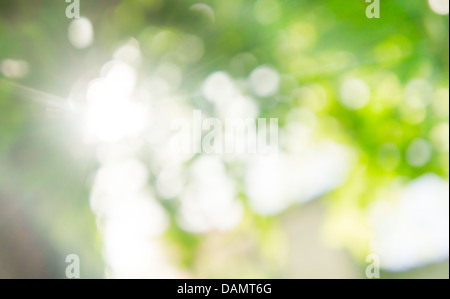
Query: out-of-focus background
x,y
87,166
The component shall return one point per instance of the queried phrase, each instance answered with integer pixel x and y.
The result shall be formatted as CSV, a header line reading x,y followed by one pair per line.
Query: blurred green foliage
x,y
315,44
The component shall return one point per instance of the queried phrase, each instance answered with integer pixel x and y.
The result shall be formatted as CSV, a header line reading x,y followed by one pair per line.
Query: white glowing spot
x,y
158,88
115,180
267,11
170,181
264,81
441,7
267,187
274,182
112,115
14,68
239,107
419,93
127,176
440,137
120,80
117,153
204,9
209,200
103,90
218,87
81,33
323,168
419,152
414,231
389,156
113,120
354,94
296,137
129,216
140,215
129,258
129,52
129,233
202,217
